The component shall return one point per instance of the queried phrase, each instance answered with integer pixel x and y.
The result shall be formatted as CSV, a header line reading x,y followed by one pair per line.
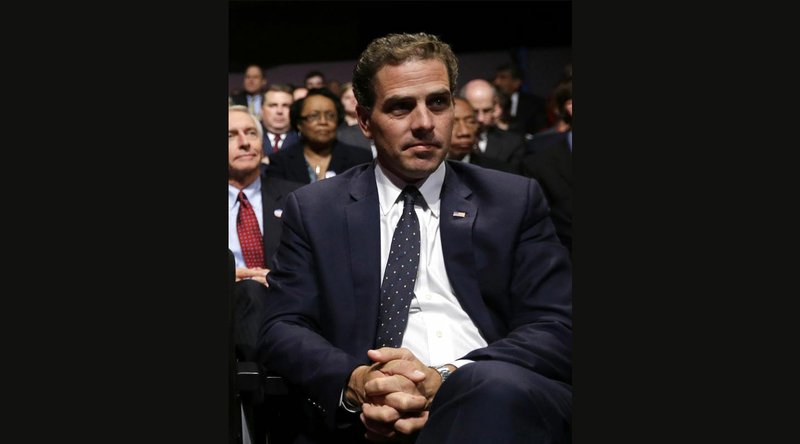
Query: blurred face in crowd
x,y
506,83
253,79
244,145
349,102
480,95
465,129
412,119
275,111
299,93
315,82
318,120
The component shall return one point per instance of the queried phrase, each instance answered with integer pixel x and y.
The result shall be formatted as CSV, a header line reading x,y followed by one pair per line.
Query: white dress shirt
x,y
253,193
483,139
271,138
439,331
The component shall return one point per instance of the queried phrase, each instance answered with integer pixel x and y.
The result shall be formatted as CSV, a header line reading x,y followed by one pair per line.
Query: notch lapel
x,y
457,249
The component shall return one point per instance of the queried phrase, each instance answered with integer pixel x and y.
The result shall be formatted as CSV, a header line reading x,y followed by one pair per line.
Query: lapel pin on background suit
x,y
278,213
459,214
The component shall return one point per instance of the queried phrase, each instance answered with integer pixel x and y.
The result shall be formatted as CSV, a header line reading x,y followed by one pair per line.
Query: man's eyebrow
x,y
400,98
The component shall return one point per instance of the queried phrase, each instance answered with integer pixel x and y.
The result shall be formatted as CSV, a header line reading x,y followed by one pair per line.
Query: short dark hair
x,y
297,107
314,74
394,49
512,68
279,87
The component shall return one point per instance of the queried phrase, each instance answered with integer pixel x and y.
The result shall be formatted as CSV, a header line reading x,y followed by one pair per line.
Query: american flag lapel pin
x,y
459,214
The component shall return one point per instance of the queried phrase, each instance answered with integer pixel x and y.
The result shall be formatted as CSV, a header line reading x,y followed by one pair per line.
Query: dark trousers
x,y
498,402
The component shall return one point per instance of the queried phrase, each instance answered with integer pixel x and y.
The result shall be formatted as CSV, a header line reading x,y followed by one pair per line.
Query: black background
x,y
281,32
115,248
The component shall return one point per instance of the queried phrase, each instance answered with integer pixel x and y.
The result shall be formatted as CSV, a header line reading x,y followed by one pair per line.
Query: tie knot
x,y
243,199
411,195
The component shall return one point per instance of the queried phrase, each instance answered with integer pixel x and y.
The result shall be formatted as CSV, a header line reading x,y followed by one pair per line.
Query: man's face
x,y
412,119
465,129
318,120
349,102
506,83
314,82
481,97
244,144
253,80
275,111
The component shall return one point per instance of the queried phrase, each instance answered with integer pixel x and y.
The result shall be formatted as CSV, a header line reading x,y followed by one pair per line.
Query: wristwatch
x,y
444,372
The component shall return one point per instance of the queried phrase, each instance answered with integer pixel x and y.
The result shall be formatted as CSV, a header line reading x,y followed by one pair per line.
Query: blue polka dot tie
x,y
400,275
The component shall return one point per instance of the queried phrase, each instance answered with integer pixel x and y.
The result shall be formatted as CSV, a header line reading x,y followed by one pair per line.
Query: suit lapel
x,y
457,217
269,198
363,228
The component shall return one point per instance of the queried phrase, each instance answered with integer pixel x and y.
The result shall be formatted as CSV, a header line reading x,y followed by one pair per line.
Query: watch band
x,y
444,372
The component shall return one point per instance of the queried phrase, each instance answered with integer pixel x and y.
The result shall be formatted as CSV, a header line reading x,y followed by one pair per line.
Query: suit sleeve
x,y
540,292
291,341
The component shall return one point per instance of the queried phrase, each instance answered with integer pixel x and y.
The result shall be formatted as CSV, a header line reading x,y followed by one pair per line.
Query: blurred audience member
x,y
464,140
527,112
275,119
318,154
550,163
314,79
493,142
251,97
349,132
299,92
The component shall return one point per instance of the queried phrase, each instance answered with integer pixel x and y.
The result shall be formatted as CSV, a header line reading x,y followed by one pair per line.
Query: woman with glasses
x,y
318,154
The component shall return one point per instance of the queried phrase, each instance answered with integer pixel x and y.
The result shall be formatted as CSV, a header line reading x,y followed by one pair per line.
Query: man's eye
x,y
439,103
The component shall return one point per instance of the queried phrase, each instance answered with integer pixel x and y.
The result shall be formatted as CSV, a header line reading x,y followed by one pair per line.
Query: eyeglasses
x,y
316,117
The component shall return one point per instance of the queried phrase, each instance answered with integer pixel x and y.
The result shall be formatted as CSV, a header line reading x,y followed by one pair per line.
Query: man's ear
x,y
363,121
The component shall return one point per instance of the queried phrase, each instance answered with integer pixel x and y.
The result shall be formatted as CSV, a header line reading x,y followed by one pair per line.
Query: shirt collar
x,y
390,187
250,191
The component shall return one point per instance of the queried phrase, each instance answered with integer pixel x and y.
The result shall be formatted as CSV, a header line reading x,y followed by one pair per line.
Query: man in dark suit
x,y
267,197
278,132
527,112
464,141
550,163
251,97
493,142
481,351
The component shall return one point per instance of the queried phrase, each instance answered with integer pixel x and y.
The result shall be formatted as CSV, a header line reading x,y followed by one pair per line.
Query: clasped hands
x,y
256,273
395,394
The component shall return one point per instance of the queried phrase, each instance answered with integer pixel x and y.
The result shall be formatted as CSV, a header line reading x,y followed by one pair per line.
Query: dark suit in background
x,y
505,146
289,138
514,282
551,166
248,307
352,135
531,114
290,163
480,159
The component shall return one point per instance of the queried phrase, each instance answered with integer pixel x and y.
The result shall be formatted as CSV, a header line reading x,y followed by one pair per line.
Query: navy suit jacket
x,y
507,268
